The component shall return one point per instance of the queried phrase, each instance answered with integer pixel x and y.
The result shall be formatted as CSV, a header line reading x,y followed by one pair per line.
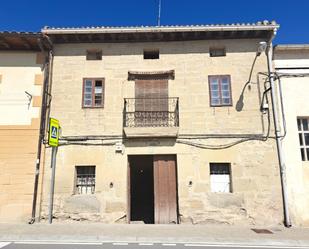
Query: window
x,y
220,90
94,54
303,134
151,54
220,177
93,92
85,180
217,52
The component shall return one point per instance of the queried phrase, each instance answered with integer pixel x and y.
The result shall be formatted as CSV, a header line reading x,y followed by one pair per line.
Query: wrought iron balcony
x,y
151,112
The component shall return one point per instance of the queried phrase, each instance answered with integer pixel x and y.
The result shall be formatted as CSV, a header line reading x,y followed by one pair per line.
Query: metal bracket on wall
x,y
29,96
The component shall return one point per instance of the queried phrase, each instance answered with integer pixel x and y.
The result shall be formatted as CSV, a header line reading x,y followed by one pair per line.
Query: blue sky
x,y
32,15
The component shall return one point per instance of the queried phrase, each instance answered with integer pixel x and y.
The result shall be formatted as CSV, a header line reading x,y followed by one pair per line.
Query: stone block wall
x,y
256,195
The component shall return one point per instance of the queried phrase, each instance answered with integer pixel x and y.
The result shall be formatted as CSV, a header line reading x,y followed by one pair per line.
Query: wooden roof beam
x,y
4,42
26,43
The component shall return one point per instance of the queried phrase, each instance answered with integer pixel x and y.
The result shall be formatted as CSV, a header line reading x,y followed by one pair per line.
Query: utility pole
x,y
52,184
159,13
53,141
274,101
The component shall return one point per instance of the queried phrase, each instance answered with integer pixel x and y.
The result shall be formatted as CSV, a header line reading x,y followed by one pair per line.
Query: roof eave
x,y
55,31
291,47
22,41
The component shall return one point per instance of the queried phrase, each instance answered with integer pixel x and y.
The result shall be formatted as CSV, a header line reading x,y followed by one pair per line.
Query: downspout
x,y
274,101
44,106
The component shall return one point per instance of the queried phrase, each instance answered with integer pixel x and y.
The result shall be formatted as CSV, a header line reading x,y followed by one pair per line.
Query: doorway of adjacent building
x,y
152,189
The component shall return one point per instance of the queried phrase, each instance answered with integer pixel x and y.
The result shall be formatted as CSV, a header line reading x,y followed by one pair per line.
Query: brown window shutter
x,y
151,104
153,94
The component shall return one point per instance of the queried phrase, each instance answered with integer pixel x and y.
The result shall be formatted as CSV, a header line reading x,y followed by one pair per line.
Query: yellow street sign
x,y
53,135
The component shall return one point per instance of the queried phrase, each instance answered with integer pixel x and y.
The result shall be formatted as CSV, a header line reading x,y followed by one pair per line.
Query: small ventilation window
x,y
94,54
217,52
151,54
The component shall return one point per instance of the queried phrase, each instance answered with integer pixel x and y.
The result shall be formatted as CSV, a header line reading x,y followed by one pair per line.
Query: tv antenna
x,y
159,13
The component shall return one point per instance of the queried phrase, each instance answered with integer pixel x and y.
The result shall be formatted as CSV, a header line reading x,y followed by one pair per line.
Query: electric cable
x,y
183,139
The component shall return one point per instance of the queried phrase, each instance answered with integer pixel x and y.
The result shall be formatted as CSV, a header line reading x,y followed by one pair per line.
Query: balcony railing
x,y
151,112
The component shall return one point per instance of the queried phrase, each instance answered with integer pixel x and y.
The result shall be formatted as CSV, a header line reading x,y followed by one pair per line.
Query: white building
x,y
292,66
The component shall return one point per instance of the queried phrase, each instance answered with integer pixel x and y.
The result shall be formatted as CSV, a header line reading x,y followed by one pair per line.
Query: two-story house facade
x,y
292,67
163,125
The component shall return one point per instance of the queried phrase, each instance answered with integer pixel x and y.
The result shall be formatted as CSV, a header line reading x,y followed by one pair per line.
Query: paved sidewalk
x,y
210,234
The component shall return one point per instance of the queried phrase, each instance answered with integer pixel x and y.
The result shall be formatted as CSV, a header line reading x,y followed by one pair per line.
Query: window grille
x,y
85,179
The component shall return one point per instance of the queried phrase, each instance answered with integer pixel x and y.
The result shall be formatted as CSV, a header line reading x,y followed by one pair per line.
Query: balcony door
x,y
151,102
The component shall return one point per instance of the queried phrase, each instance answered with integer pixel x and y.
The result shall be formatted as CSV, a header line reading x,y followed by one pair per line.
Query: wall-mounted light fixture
x,y
261,48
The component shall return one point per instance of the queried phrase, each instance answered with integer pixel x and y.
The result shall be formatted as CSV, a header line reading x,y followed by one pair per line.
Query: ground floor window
x,y
220,177
85,179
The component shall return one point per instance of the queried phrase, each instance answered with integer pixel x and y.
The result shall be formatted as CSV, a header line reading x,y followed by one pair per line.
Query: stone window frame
x,y
220,98
303,135
84,183
226,172
93,105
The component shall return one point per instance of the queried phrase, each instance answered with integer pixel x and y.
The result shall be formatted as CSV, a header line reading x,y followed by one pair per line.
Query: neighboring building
x,y
152,129
21,79
292,66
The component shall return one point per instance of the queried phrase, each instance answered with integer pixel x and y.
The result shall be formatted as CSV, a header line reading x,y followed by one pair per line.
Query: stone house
x,y
21,78
292,67
162,125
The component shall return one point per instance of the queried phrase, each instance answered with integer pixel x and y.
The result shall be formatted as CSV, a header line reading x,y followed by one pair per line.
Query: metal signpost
x,y
53,139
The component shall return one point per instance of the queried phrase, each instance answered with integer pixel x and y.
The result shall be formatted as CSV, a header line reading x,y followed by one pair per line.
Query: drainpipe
x,y
44,106
274,101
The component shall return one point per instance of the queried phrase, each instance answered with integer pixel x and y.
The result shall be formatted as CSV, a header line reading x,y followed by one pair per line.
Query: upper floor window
x,y
217,52
303,134
151,54
220,90
85,179
93,92
94,54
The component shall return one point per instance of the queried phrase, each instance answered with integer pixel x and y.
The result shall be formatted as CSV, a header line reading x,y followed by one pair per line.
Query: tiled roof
x,y
258,30
13,40
260,23
5,32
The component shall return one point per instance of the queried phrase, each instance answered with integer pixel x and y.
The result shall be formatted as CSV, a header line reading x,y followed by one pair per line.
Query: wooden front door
x,y
165,194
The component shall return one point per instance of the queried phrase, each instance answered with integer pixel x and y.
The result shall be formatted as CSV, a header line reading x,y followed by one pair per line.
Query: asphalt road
x,y
41,245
